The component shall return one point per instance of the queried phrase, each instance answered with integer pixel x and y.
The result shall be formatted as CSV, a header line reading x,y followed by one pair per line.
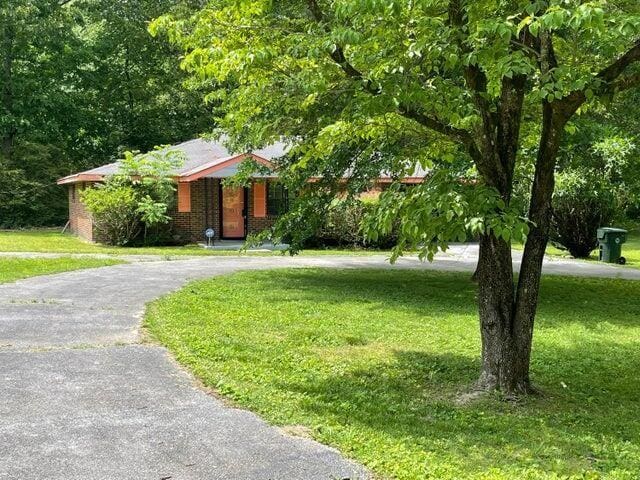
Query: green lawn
x,y
372,362
49,240
12,269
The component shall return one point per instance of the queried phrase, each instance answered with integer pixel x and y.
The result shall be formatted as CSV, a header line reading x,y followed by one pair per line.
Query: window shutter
x,y
260,199
184,197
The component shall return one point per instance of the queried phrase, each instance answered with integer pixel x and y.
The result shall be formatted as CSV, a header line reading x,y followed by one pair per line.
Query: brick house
x,y
202,201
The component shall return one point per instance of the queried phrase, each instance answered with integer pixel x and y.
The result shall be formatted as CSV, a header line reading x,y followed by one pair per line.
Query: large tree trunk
x,y
505,358
507,312
540,211
504,365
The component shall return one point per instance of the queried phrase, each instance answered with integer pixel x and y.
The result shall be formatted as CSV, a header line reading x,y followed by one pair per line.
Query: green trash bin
x,y
611,240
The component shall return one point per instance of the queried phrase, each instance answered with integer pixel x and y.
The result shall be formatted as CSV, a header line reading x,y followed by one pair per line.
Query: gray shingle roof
x,y
202,154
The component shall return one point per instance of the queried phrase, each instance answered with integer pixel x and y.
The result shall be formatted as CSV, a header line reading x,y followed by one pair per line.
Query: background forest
x,y
80,83
83,81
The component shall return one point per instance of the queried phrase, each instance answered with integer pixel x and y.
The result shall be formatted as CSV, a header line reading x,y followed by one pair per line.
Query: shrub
x,y
342,225
115,212
582,203
135,200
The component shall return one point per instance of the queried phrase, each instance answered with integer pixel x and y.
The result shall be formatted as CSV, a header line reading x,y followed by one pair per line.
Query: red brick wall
x,y
80,221
191,226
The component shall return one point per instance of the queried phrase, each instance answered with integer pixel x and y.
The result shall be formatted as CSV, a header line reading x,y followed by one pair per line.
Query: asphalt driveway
x,y
83,398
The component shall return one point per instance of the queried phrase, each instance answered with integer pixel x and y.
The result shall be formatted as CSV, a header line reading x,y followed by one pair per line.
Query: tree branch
x,y
606,81
427,121
618,67
474,76
627,82
463,136
496,171
337,55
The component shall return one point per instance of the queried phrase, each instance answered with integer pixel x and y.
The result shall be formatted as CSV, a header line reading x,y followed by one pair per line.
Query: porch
x,y
236,245
232,213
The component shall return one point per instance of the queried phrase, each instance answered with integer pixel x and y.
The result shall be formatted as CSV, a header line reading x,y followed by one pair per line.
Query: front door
x,y
233,213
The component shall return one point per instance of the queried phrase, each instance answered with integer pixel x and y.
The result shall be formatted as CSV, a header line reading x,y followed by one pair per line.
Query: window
x,y
277,199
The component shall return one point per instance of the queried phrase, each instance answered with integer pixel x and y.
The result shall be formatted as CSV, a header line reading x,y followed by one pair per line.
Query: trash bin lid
x,y
602,232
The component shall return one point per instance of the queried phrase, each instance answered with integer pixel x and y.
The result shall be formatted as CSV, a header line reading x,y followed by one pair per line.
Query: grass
x,y
52,241
12,269
372,362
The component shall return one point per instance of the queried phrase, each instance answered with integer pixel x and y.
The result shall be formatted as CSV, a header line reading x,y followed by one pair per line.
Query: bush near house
x,y
135,202
582,203
114,210
342,225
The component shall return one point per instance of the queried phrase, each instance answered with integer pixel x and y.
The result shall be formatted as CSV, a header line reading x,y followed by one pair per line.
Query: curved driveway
x,y
82,398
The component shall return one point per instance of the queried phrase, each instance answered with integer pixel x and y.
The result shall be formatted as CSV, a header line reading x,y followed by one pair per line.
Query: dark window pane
x,y
277,198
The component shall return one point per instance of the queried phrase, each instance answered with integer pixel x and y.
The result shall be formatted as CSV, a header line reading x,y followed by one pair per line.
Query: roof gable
x,y
202,157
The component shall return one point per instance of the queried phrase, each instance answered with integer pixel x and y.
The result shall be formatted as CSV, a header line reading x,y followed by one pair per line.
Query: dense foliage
x,y
115,212
342,224
599,176
80,83
604,148
582,203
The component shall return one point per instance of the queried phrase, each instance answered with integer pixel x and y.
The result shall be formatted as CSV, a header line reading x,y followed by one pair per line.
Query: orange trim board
x,y
204,171
184,197
259,199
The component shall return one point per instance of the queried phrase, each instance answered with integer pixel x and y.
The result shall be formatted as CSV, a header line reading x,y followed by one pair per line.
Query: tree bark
x,y
505,364
540,211
501,368
507,317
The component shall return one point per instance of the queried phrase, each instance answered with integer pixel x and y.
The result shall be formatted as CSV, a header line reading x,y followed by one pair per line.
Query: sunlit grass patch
x,y
372,362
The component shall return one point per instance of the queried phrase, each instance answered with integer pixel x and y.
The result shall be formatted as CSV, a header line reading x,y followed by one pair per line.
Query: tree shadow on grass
x,y
589,301
411,290
562,299
406,399
410,401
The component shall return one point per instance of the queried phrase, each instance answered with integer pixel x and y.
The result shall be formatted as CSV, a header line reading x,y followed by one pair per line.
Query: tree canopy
x,y
384,84
480,92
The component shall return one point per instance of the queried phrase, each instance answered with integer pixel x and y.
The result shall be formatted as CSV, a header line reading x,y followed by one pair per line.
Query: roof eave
x,y
215,166
80,177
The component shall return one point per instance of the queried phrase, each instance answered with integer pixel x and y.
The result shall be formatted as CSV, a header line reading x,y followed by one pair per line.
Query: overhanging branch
x,y
463,136
607,81
430,122
627,82
618,67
